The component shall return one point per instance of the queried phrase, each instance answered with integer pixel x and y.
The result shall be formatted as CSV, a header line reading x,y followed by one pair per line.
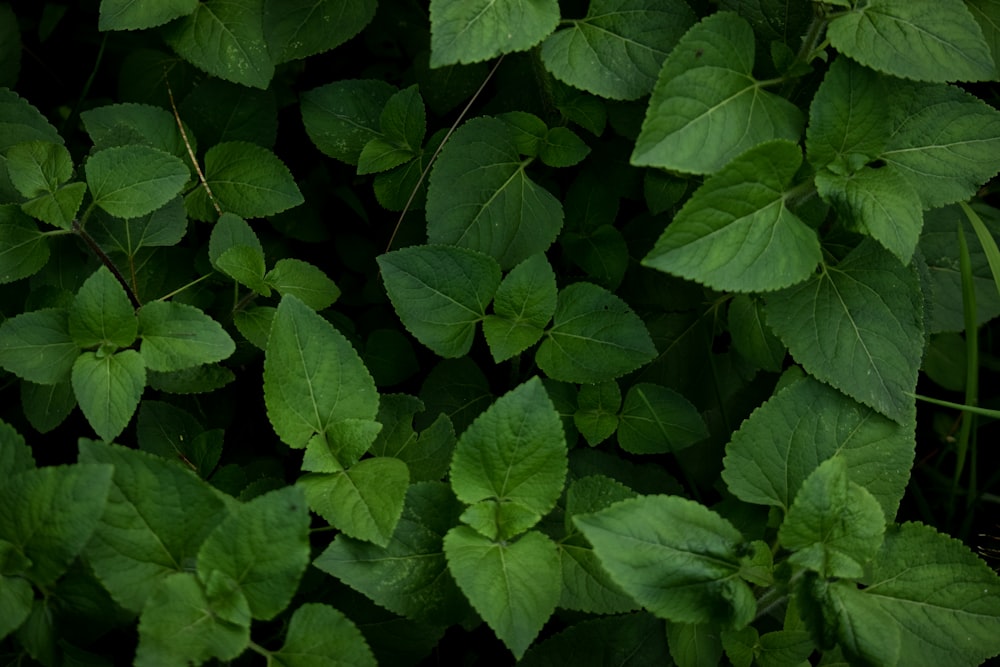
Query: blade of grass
x,y
986,241
972,370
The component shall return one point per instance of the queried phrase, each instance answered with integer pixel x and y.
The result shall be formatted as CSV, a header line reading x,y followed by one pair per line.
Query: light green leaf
x,y
513,453
364,501
163,227
263,547
616,50
108,388
313,377
232,231
440,293
523,305
689,552
37,346
514,586
834,526
37,168
736,233
320,636
57,208
409,576
246,266
303,280
341,446
706,107
24,250
480,197
123,124
139,14
859,326
468,31
226,39
303,28
101,314
880,203
940,41
380,155
177,336
20,122
131,181
939,594
179,626
801,426
596,415
342,117
944,141
865,633
403,124
752,338
595,337
246,179
655,420
50,514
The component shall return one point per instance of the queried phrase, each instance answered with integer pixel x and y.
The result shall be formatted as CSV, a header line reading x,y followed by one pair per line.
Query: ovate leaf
x,y
313,377
163,227
859,326
131,181
596,415
594,337
121,124
176,336
304,28
342,117
616,50
480,197
108,388
37,168
303,280
805,424
514,586
706,106
226,39
688,550
655,419
59,207
101,313
23,248
440,293
139,14
941,41
522,307
19,122
467,31
514,454
321,636
736,233
38,347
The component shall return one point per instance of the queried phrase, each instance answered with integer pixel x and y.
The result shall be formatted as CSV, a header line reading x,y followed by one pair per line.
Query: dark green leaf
x,y
123,124
131,181
176,336
630,640
23,248
37,346
596,415
523,305
19,122
108,388
303,280
655,419
464,31
163,227
101,313
37,168
139,14
303,28
342,117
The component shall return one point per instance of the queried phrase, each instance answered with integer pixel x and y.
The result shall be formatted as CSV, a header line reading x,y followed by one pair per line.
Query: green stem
x,y
177,291
982,412
971,366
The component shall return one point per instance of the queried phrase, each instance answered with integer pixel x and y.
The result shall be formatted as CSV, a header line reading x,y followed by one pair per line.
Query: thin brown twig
x,y
187,144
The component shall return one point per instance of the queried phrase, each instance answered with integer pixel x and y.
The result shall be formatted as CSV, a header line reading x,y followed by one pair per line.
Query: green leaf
x,y
179,626
302,28
140,14
801,426
174,434
440,293
263,547
563,148
220,111
688,550
37,168
596,415
37,346
523,305
101,313
706,107
131,181
587,586
865,633
176,336
751,336
50,514
226,39
480,197
16,596
736,232
595,337
514,453
514,586
403,124
57,208
246,266
303,280
867,346
108,388
24,250
943,140
939,594
834,526
313,377
616,50
163,227
941,41
20,122
15,456
631,639
364,501
320,636
694,645
255,324
342,117
655,420
468,31
409,576
123,124
428,454
246,179
157,516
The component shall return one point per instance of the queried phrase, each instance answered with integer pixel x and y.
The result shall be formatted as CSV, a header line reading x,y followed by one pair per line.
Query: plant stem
x,y
971,366
96,249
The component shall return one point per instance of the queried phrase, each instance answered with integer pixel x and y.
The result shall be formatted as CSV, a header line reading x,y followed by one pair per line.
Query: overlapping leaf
x,y
656,419
523,305
108,388
302,28
342,117
177,336
23,248
20,122
101,313
37,346
321,635
467,31
131,181
139,14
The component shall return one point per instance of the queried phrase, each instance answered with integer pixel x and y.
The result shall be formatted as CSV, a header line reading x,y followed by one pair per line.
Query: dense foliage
x,y
589,333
